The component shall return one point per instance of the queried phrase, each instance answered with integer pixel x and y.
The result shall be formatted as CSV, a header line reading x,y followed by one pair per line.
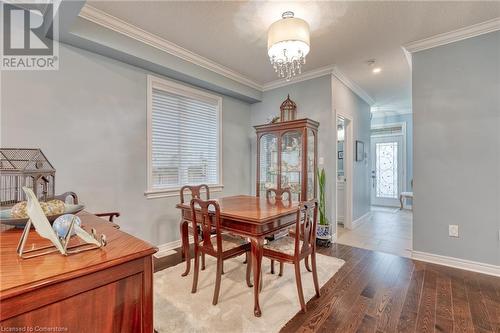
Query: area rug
x,y
177,310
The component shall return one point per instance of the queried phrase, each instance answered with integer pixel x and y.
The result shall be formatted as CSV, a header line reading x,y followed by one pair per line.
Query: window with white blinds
x,y
184,134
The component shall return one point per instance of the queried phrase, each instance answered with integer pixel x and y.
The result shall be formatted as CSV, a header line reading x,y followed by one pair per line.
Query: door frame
x,y
348,168
403,148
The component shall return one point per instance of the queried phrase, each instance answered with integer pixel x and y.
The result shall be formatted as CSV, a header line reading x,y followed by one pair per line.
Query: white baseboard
x,y
467,265
361,219
167,249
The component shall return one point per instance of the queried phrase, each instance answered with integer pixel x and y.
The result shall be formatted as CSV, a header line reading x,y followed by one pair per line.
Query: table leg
x,y
185,246
257,244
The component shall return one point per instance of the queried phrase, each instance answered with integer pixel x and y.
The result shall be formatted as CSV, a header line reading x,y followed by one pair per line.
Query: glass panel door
x,y
291,166
386,170
268,163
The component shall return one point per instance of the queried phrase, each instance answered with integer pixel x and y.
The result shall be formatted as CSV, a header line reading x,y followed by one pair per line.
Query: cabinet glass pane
x,y
291,162
311,172
268,163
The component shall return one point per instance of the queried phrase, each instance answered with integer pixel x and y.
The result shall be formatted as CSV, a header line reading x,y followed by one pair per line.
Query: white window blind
x,y
184,134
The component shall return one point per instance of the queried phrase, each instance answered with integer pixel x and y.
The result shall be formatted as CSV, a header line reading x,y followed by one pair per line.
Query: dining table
x,y
252,217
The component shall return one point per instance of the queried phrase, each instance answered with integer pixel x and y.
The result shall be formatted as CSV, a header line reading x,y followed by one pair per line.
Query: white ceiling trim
x,y
106,20
454,36
382,111
302,77
353,86
327,70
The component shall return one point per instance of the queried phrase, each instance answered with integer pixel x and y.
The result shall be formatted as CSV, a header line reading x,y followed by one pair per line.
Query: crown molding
x,y
312,74
353,86
454,36
108,21
381,112
327,70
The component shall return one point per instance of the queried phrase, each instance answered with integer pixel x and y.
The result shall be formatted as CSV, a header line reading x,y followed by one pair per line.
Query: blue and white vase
x,y
323,232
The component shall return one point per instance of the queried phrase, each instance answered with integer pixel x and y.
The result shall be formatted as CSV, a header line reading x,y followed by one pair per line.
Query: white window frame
x,y
180,89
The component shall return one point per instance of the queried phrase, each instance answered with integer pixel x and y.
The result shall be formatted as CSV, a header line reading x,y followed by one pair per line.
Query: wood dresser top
x,y
250,208
20,275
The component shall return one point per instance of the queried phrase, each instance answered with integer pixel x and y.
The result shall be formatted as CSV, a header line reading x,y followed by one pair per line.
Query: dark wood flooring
x,y
379,292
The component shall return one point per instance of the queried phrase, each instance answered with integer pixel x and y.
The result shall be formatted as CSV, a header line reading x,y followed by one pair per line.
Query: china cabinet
x,y
287,157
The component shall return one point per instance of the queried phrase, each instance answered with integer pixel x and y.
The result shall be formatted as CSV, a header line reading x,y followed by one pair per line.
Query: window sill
x,y
174,192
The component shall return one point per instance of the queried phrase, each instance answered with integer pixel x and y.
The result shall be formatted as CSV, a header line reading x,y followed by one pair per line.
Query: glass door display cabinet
x,y
287,157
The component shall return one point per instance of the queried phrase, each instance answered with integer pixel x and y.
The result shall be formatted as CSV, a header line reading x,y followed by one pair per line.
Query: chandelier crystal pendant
x,y
288,45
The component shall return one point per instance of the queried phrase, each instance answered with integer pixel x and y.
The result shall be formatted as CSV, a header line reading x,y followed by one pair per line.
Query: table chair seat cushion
x,y
284,245
229,242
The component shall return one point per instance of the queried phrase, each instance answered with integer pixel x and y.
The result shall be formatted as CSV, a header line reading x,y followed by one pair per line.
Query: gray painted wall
x,y
347,103
456,107
89,118
408,120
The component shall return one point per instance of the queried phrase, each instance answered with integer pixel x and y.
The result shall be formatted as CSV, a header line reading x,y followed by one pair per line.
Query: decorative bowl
x,y
6,218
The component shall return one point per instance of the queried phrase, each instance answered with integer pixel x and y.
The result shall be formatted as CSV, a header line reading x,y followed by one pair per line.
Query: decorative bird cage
x,y
25,167
288,110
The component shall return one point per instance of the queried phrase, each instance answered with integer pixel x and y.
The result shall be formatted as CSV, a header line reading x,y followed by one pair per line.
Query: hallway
x,y
387,230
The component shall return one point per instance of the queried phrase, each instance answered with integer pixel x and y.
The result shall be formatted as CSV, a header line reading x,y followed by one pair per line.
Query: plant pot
x,y
323,232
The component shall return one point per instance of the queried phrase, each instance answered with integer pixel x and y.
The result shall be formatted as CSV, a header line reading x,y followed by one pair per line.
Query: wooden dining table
x,y
248,216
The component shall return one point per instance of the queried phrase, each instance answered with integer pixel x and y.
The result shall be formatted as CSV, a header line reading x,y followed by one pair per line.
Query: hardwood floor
x,y
379,292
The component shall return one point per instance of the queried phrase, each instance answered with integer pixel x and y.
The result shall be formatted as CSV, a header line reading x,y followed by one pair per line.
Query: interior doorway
x,y
345,157
388,229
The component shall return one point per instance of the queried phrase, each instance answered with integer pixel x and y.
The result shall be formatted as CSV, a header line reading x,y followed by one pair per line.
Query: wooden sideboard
x,y
103,290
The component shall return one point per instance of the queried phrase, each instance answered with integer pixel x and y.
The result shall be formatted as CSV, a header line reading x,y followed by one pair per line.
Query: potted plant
x,y
323,233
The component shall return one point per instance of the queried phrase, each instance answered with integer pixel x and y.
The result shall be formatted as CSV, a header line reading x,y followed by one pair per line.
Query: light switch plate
x,y
453,230
321,161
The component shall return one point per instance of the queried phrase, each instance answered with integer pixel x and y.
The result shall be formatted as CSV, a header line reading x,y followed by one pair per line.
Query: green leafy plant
x,y
322,202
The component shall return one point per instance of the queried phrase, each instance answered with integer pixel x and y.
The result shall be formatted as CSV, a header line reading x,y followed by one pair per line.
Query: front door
x,y
387,169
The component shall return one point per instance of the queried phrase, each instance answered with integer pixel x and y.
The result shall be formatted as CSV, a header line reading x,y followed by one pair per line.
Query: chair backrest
x,y
278,194
65,196
207,218
307,217
195,191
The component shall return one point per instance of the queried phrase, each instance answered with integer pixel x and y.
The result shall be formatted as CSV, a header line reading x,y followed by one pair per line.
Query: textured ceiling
x,y
346,34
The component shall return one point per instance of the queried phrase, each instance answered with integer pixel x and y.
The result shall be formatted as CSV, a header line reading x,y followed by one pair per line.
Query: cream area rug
x,y
176,309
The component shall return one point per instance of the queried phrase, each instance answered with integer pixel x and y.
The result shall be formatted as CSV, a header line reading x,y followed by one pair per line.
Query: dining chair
x,y
194,193
302,245
226,246
277,195
74,200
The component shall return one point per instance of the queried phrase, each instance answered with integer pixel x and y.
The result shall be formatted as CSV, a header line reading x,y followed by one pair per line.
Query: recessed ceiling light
x,y
376,70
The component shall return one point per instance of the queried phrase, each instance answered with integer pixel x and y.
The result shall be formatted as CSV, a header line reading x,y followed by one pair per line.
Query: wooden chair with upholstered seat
x,y
74,199
300,246
194,193
226,246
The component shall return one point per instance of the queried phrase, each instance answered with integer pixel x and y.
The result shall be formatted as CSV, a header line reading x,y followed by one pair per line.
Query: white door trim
x,y
348,167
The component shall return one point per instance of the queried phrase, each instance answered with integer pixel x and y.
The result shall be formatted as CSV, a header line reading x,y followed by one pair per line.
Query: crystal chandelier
x,y
288,45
